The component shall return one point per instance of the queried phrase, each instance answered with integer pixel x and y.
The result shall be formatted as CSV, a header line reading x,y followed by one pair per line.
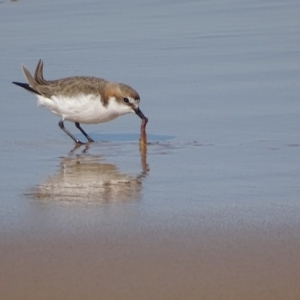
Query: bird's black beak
x,y
139,113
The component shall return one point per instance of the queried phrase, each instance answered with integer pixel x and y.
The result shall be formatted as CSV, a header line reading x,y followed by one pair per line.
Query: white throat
x,y
118,108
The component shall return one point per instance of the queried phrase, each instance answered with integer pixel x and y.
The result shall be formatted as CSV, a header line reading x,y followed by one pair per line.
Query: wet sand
x,y
209,209
169,264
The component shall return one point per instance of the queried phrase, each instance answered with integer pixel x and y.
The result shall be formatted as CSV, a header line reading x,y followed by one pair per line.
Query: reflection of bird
x,y
87,100
85,179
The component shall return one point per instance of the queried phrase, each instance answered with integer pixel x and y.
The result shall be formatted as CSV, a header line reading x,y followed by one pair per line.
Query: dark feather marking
x,y
27,87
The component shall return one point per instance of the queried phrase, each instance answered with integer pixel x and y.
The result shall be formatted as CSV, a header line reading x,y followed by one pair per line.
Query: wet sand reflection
x,y
84,178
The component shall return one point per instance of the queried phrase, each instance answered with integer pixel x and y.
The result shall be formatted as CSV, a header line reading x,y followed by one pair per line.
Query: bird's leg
x,y
83,132
62,126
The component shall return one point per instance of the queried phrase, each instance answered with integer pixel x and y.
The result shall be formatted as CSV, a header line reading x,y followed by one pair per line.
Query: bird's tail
x,y
38,78
38,74
27,87
33,82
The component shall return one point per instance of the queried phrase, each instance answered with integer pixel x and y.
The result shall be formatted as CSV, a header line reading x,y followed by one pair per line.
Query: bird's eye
x,y
126,100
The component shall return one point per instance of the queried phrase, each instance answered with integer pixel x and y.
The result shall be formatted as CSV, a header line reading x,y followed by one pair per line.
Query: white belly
x,y
86,109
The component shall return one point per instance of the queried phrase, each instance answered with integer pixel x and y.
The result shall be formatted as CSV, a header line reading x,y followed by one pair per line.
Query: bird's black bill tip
x,y
140,114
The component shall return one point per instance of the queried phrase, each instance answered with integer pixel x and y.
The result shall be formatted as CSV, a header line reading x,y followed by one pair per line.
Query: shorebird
x,y
82,99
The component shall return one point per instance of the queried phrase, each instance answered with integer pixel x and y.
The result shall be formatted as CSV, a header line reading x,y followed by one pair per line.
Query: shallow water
x,y
211,209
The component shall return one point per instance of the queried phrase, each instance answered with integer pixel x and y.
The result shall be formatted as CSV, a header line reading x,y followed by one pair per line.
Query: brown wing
x,y
70,86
